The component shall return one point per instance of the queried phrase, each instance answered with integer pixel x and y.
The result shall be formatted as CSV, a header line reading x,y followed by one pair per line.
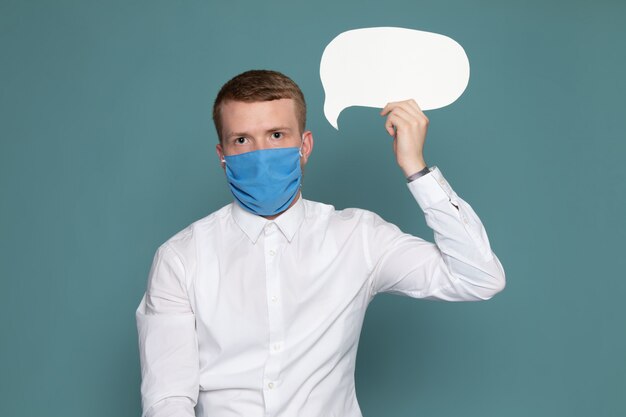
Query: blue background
x,y
107,149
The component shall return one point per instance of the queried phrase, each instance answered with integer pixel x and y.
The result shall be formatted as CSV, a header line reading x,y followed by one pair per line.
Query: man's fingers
x,y
414,105
398,118
390,106
404,116
408,105
389,126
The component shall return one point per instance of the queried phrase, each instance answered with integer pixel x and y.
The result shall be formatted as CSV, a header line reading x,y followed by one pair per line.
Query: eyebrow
x,y
273,129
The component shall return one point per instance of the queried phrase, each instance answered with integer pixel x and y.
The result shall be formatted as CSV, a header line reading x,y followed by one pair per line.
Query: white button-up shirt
x,y
245,316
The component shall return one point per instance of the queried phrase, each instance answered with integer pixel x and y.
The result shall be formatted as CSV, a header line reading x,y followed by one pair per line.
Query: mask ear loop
x,y
302,143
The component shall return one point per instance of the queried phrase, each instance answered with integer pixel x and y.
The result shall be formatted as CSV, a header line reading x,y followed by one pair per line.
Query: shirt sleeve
x,y
459,266
168,346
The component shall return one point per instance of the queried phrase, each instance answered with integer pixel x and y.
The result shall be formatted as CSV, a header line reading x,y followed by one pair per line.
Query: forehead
x,y
258,115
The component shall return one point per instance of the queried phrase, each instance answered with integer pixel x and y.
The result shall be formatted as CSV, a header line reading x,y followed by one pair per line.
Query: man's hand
x,y
407,125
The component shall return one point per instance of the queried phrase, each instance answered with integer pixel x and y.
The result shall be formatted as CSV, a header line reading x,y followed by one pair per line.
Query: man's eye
x,y
240,140
277,135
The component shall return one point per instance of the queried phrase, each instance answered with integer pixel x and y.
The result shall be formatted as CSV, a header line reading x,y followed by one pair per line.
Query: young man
x,y
256,309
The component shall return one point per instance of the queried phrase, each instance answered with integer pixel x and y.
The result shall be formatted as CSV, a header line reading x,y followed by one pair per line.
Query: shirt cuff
x,y
172,407
431,188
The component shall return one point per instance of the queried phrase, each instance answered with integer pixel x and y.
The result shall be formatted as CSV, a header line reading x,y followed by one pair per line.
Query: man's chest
x,y
286,292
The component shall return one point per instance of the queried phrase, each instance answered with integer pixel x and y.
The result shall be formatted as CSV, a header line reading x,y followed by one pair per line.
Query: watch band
x,y
418,174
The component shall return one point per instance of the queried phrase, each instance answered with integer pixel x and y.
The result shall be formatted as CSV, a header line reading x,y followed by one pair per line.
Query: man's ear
x,y
220,155
307,146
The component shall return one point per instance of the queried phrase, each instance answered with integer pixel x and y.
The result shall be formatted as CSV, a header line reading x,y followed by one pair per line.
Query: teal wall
x,y
107,149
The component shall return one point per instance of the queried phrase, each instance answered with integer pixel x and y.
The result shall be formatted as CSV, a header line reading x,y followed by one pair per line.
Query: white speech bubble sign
x,y
371,67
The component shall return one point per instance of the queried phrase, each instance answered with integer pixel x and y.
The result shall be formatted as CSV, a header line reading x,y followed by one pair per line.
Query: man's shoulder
x,y
318,210
198,230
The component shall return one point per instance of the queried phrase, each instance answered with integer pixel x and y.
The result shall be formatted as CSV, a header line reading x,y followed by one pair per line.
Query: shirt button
x,y
276,346
274,298
272,252
270,385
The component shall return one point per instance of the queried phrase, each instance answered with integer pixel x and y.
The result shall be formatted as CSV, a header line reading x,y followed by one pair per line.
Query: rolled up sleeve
x,y
459,266
168,346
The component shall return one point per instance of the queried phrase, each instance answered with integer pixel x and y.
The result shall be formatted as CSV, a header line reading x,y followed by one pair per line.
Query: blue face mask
x,y
265,182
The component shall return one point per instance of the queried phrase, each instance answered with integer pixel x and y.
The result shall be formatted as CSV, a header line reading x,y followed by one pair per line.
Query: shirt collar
x,y
252,225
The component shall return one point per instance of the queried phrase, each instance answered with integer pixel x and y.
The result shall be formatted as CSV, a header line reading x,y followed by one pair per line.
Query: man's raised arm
x,y
460,265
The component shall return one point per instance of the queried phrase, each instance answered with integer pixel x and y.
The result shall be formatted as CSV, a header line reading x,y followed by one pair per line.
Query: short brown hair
x,y
259,85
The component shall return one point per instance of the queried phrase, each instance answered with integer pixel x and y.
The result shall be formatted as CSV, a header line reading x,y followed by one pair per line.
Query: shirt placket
x,y
274,242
